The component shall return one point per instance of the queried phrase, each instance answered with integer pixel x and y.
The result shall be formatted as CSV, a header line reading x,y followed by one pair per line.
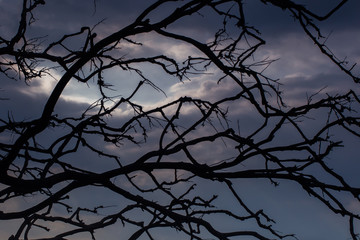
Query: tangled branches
x,y
147,166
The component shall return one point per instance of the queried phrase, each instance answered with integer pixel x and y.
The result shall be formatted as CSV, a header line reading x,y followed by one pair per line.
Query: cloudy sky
x,y
299,65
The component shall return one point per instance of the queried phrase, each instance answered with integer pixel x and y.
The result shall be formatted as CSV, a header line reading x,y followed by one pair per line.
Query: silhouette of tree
x,y
172,179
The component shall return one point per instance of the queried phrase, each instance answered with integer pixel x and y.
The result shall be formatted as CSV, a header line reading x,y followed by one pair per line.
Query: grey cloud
x,y
22,104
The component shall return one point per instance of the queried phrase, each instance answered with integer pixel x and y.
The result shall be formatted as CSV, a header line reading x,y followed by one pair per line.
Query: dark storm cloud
x,y
274,21
9,18
58,16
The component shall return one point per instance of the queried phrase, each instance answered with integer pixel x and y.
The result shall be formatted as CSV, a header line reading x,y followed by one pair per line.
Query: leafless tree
x,y
159,186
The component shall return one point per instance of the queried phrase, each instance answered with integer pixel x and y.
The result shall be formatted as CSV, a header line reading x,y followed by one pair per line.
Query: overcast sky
x,y
299,66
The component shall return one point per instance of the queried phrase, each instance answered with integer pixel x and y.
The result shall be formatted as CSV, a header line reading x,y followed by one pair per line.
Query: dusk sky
x,y
299,65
